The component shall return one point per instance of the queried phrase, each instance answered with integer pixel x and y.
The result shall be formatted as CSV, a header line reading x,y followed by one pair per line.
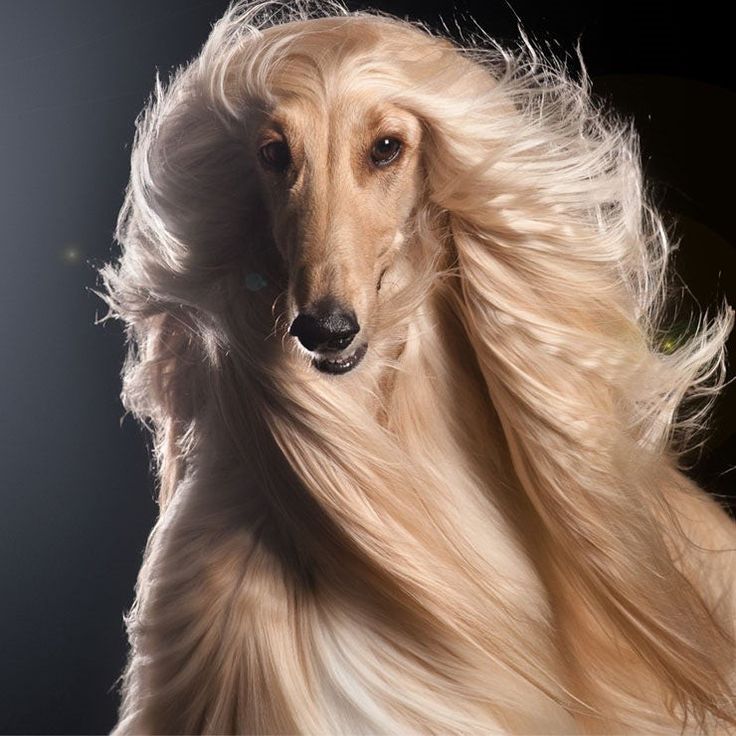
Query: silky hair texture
x,y
484,527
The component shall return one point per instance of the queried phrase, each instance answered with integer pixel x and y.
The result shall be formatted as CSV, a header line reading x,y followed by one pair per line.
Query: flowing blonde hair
x,y
477,536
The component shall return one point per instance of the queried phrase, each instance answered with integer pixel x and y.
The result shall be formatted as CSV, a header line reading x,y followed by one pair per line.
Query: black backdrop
x,y
77,493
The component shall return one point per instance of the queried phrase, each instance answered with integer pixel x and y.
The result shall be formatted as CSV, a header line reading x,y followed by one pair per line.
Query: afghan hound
x,y
394,307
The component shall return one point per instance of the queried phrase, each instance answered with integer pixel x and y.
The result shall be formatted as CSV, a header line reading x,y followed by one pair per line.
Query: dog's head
x,y
339,148
298,167
340,172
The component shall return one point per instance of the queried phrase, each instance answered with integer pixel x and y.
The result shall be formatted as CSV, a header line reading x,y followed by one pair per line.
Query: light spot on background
x,y
71,254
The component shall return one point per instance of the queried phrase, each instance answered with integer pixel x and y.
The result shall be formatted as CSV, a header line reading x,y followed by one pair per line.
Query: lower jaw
x,y
338,367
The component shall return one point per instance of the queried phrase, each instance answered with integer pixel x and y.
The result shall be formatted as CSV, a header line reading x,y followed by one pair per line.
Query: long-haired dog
x,y
395,312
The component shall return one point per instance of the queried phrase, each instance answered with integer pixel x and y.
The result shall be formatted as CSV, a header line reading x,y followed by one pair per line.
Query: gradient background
x,y
77,494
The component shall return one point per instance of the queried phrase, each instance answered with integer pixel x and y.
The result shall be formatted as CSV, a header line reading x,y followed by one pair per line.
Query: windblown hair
x,y
490,529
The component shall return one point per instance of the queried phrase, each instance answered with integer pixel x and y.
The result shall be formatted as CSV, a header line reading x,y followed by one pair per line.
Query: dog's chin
x,y
343,364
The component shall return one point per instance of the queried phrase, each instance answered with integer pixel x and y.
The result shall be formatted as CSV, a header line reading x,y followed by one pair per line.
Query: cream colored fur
x,y
482,528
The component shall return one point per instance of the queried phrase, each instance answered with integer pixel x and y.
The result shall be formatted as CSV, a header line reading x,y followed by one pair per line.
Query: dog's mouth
x,y
343,364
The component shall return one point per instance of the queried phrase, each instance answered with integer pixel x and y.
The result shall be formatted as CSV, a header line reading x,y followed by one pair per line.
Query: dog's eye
x,y
275,155
385,150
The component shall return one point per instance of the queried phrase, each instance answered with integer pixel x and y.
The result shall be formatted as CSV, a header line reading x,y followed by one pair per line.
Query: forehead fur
x,y
321,58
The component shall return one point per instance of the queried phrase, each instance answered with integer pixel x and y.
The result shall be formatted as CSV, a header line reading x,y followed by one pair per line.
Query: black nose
x,y
327,327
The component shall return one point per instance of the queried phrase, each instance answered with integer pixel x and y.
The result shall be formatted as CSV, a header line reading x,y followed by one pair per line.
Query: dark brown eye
x,y
385,150
275,155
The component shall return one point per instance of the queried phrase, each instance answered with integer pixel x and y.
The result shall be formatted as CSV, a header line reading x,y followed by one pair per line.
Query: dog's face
x,y
340,174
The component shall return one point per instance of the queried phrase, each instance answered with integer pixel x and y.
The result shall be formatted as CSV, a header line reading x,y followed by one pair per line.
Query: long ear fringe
x,y
562,266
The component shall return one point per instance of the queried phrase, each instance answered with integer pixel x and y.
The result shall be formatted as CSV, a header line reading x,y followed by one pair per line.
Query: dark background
x,y
77,501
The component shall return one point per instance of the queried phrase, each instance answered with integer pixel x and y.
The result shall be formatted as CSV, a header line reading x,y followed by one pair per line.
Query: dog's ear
x,y
185,231
561,265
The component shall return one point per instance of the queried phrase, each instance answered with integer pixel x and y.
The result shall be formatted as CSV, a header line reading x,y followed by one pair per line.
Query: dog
x,y
394,313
